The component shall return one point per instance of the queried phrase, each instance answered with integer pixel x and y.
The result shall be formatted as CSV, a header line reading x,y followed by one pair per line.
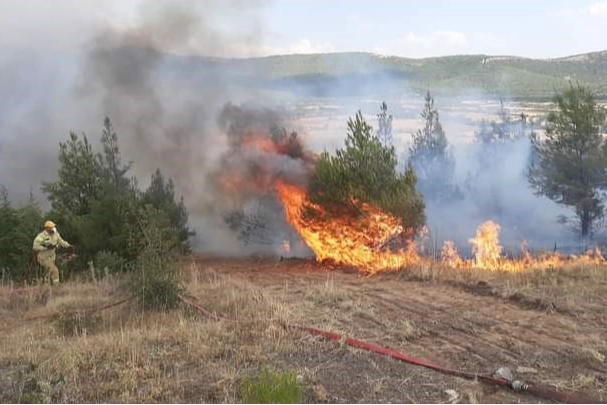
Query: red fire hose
x,y
515,385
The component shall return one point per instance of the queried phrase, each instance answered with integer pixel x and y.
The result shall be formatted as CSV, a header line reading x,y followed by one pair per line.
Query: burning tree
x,y
570,163
364,172
351,208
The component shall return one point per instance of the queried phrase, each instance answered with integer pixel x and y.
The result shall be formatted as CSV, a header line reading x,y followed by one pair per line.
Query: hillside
x,y
364,74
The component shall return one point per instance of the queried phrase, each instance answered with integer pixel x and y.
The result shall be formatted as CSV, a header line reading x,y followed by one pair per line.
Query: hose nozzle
x,y
518,386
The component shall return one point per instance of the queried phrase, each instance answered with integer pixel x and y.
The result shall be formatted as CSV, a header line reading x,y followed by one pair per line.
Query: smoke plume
x,y
181,118
201,120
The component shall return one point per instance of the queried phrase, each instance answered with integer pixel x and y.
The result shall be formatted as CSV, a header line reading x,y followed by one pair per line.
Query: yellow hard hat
x,y
49,225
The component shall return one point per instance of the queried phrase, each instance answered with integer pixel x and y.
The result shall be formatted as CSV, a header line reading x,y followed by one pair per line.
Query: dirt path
x,y
452,325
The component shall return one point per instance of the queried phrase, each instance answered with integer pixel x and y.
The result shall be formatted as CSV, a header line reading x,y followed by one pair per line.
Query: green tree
x,y
114,212
384,123
88,198
19,227
114,172
364,171
79,177
161,195
93,200
8,224
431,156
30,219
570,162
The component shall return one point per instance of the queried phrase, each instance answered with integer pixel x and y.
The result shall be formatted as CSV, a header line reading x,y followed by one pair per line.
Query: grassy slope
x,y
512,76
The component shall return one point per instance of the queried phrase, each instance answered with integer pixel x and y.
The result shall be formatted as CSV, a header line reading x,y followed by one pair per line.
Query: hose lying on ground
x,y
515,385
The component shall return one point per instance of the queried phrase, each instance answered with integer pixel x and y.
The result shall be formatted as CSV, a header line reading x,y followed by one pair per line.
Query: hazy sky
x,y
539,28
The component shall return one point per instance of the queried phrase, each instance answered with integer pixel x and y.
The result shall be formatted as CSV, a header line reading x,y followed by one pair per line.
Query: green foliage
x,y
79,177
110,262
92,200
364,171
161,195
157,244
113,171
569,165
97,208
431,156
384,123
272,387
35,398
17,225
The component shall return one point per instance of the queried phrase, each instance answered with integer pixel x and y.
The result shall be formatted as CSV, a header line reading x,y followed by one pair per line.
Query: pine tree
x,y
114,171
19,227
161,195
570,163
8,223
431,156
384,122
79,177
364,171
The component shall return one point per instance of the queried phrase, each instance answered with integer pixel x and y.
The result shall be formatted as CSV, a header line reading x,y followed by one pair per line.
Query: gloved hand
x,y
48,245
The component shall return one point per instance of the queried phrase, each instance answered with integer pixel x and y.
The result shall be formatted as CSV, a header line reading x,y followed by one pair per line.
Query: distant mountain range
x,y
368,74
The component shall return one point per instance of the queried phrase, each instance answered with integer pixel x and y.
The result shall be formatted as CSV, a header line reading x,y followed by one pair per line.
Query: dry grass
x,y
570,288
125,355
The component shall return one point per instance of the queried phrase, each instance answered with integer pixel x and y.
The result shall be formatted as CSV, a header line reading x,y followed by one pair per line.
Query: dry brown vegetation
x,y
548,325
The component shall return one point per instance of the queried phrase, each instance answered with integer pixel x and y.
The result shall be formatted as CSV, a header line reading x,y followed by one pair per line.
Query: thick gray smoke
x,y
169,110
260,154
175,116
65,70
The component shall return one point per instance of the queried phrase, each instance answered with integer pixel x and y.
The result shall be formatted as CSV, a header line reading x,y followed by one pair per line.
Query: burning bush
x,y
348,208
364,172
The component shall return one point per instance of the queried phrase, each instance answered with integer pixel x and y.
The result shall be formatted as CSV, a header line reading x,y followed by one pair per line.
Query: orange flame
x,y
358,242
487,254
346,240
450,256
485,246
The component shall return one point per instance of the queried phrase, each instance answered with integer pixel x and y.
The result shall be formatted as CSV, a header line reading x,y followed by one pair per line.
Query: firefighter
x,y
45,245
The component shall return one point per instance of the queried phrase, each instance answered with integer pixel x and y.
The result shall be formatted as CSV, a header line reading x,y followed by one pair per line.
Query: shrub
x,y
110,261
155,281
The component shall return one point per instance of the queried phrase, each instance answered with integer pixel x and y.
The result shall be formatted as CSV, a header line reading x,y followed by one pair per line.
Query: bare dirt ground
x,y
549,327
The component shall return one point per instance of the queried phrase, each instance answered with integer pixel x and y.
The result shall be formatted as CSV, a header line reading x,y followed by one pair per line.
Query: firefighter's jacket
x,y
44,238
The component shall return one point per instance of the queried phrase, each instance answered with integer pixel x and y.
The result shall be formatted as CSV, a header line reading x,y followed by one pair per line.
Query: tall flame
x,y
485,246
345,240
